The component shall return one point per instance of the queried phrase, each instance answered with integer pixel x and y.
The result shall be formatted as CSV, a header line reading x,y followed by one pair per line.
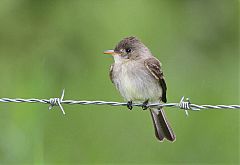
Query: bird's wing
x,y
154,67
111,72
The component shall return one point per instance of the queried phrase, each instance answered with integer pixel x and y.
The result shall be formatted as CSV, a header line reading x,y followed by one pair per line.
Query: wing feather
x,y
154,67
111,72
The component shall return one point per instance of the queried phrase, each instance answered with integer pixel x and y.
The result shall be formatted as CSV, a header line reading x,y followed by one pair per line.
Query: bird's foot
x,y
145,105
129,105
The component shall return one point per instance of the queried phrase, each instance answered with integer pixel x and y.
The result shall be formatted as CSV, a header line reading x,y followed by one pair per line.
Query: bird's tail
x,y
161,125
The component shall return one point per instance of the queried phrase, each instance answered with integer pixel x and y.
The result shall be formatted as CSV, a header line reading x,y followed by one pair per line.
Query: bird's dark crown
x,y
128,42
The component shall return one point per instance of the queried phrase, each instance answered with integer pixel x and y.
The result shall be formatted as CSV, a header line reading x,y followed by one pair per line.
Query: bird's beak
x,y
111,52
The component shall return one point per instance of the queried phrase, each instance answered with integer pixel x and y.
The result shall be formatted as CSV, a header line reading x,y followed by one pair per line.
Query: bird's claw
x,y
129,105
145,105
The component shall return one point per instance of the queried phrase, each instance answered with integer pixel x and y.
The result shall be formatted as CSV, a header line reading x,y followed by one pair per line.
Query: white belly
x,y
137,84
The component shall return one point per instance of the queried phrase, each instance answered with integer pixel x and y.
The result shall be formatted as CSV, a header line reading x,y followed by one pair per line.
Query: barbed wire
x,y
183,105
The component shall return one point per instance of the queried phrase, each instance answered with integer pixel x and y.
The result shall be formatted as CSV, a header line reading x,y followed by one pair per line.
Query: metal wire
x,y
184,105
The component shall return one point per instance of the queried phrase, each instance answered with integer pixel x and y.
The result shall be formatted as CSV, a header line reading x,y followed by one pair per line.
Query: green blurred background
x,y
46,46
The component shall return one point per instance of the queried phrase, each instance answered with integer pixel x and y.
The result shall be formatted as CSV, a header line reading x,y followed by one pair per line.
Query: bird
x,y
139,78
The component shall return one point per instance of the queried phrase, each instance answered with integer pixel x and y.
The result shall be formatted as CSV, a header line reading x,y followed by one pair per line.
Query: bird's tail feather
x,y
161,125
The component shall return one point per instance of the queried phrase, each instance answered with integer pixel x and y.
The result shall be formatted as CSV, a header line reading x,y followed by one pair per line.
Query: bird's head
x,y
130,48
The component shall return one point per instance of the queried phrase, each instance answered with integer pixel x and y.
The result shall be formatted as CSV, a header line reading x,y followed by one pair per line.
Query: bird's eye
x,y
128,50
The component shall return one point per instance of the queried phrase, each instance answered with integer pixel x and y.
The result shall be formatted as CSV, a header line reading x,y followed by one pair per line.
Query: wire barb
x,y
57,102
184,105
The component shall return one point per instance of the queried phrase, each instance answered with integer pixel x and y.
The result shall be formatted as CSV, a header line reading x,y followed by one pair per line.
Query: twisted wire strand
x,y
184,105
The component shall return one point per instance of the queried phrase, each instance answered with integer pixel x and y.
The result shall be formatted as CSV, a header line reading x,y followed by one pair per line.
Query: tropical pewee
x,y
138,76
